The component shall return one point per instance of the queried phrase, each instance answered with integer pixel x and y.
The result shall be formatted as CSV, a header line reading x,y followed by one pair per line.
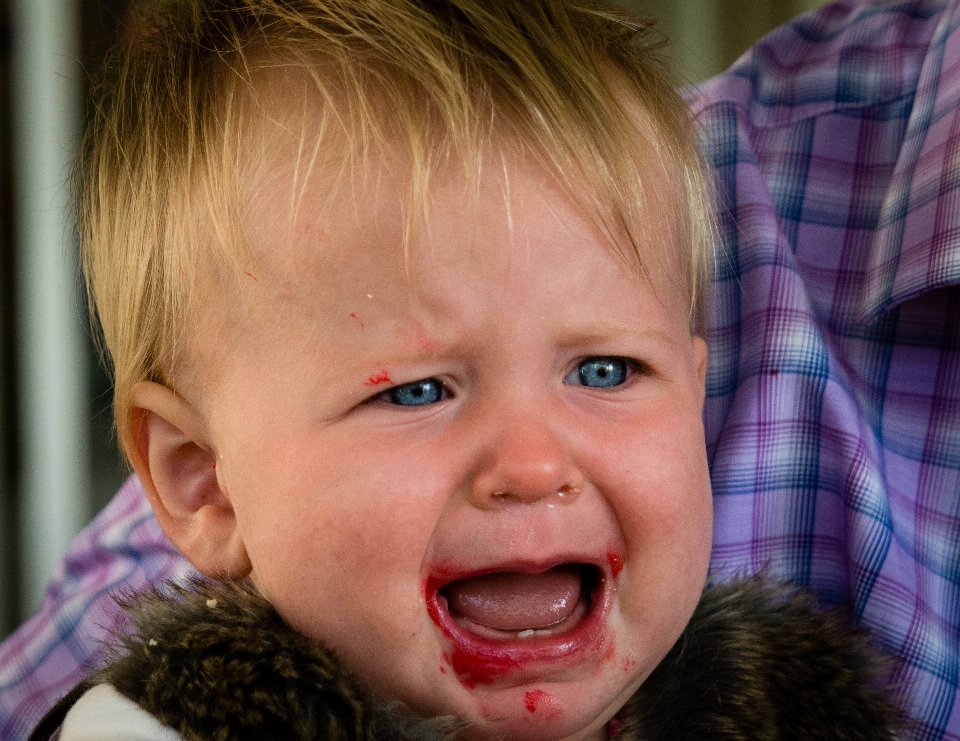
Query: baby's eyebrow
x,y
595,334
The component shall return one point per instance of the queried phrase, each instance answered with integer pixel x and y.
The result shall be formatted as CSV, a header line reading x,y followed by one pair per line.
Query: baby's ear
x,y
169,448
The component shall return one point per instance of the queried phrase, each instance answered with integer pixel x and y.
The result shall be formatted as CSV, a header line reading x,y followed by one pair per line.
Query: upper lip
x,y
442,575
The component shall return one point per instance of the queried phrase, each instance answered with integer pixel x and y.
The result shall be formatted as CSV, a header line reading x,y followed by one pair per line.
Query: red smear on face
x,y
354,316
616,563
480,667
251,275
433,609
376,380
539,701
533,699
479,661
609,654
472,667
443,670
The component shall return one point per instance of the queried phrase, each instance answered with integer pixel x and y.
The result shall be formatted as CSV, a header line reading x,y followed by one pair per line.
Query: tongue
x,y
509,600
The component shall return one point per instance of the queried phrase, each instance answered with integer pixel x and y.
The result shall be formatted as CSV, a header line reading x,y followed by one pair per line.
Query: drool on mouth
x,y
519,622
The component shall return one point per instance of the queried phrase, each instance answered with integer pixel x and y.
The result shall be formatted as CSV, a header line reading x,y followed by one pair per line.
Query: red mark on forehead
x,y
616,563
376,380
353,315
246,272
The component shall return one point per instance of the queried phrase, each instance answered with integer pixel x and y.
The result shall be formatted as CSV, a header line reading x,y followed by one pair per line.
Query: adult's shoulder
x,y
850,54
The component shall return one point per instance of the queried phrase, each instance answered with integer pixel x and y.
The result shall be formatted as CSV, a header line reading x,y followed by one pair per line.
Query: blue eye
x,y
416,394
599,373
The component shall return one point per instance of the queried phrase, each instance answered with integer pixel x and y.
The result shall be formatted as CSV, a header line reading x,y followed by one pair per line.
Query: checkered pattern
x,y
833,418
124,548
833,412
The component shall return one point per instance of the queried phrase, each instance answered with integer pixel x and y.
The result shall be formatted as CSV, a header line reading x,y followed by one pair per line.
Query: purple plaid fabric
x,y
833,411
123,548
833,419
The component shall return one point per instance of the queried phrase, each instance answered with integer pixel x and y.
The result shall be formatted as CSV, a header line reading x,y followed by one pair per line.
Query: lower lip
x,y
478,660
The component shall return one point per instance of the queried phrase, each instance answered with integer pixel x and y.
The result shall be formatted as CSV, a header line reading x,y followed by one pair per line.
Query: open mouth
x,y
507,605
520,623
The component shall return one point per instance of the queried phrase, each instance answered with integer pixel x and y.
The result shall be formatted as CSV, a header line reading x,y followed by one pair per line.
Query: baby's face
x,y
475,471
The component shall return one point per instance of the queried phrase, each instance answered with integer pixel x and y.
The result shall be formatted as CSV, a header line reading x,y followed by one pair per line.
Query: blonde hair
x,y
580,85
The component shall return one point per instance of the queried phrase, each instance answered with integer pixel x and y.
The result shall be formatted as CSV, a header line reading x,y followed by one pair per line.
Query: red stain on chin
x,y
540,701
532,699
353,315
616,563
376,380
478,667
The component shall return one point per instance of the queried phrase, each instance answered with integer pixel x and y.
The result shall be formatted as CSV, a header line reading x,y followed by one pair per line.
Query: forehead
x,y
307,157
345,264
308,208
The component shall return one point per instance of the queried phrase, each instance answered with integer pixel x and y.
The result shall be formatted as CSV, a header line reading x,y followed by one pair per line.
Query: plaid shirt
x,y
833,420
833,411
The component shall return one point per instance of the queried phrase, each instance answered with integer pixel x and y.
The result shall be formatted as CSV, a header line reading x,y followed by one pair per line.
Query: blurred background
x,y
58,459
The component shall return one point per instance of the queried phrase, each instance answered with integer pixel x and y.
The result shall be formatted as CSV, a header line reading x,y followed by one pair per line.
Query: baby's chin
x,y
546,712
577,708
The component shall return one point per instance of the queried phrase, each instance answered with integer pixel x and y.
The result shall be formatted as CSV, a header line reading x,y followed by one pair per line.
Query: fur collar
x,y
215,661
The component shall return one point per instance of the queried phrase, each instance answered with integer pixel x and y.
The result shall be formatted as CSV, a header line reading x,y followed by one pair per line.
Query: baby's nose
x,y
526,464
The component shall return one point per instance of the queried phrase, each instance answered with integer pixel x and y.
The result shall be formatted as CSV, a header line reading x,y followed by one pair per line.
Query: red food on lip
x,y
616,563
480,654
513,601
482,667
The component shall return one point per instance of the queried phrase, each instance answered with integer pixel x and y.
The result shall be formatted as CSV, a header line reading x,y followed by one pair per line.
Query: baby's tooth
x,y
527,633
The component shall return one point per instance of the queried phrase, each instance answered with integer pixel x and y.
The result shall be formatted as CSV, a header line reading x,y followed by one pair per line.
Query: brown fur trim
x,y
215,662
757,662
765,662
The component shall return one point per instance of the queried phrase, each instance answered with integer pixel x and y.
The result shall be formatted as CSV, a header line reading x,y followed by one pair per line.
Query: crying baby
x,y
405,303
